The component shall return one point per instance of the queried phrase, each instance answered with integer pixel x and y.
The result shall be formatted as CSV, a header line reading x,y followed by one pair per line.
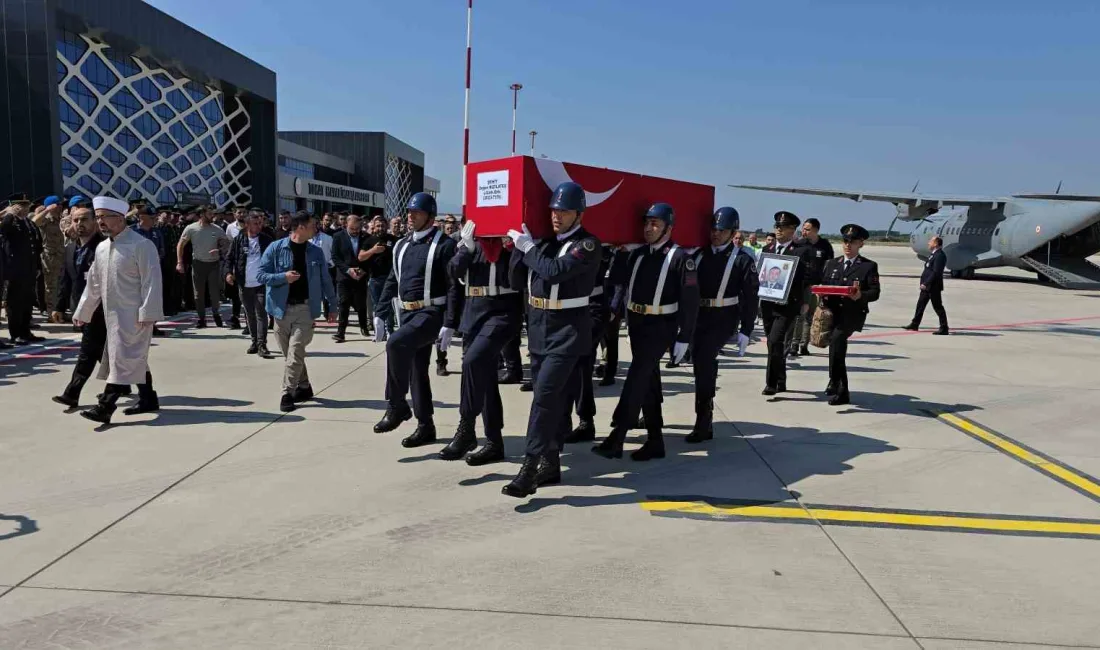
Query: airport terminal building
x,y
116,97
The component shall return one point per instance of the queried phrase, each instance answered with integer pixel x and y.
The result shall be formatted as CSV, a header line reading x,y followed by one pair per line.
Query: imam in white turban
x,y
111,203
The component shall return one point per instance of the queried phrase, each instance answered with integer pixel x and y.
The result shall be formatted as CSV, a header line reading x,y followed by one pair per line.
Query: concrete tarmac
x,y
954,504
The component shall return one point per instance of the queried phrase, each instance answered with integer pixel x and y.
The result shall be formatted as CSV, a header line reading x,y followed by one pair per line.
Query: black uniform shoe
x,y
147,404
364,332
4,345
465,441
599,370
99,413
700,434
607,381
338,337
234,324
201,325
303,394
245,331
549,471
66,401
912,327
34,338
424,434
490,452
253,349
70,397
612,445
218,319
672,364
526,386
769,390
840,398
804,350
286,404
941,332
441,369
654,447
831,388
704,422
393,419
510,376
263,351
585,432
525,483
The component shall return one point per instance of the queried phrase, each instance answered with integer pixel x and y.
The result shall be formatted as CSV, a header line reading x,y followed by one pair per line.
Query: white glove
x,y
742,343
466,236
379,330
631,247
445,335
678,351
522,240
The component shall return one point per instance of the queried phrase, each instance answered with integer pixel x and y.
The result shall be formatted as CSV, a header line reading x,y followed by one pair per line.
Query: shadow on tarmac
x,y
26,526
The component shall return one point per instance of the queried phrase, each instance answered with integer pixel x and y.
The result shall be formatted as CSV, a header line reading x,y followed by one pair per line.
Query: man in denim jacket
x,y
296,276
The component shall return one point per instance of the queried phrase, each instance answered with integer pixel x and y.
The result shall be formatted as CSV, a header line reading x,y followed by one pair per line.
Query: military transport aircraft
x,y
1050,234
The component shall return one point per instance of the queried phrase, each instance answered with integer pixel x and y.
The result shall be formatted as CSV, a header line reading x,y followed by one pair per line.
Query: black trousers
x,y
234,293
610,340
207,277
586,398
480,393
352,293
170,280
713,329
112,392
408,355
936,297
649,337
777,326
511,354
93,340
553,381
838,352
20,305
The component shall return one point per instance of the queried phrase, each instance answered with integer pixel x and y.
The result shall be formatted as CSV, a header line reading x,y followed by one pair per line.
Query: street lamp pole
x,y
515,104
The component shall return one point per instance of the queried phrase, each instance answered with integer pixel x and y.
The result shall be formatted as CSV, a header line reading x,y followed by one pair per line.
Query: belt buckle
x,y
412,306
477,292
637,308
539,303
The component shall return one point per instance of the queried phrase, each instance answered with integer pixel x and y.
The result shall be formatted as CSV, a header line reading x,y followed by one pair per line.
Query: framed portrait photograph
x,y
776,276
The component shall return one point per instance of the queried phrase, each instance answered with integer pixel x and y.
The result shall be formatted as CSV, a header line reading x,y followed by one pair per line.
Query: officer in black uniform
x,y
727,305
660,288
23,251
490,319
849,312
599,312
427,313
560,273
779,319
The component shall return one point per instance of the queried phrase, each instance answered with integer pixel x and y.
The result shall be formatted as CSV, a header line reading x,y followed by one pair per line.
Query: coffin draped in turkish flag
x,y
504,193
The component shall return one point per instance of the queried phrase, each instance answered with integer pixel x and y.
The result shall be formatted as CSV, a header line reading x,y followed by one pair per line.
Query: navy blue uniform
x,y
931,282
848,315
598,312
420,314
779,319
655,319
560,275
727,304
490,319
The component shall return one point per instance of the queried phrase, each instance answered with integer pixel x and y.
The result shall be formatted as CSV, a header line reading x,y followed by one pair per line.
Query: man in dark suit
x,y
779,319
351,274
849,312
22,247
931,286
78,259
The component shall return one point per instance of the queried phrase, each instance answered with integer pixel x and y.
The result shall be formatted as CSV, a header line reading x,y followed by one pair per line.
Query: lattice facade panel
x,y
131,130
398,185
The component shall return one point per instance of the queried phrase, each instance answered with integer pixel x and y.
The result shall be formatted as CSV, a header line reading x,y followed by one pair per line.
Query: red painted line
x,y
1053,321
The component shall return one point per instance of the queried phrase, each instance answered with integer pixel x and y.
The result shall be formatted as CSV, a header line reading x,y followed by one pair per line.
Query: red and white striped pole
x,y
466,115
515,103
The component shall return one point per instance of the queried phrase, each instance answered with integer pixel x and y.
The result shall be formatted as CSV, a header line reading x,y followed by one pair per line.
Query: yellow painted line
x,y
839,515
1047,465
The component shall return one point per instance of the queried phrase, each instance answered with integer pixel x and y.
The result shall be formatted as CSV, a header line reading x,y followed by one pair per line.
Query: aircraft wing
x,y
918,206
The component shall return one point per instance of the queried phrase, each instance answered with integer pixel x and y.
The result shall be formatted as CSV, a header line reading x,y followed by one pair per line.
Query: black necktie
x,y
847,265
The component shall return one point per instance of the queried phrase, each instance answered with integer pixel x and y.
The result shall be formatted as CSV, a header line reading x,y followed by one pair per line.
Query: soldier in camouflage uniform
x,y
53,247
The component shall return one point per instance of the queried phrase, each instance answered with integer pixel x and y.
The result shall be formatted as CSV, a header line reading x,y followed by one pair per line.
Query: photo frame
x,y
776,275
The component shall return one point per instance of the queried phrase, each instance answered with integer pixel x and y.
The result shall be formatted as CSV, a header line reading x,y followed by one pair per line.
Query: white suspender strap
x,y
633,272
428,268
664,276
492,279
726,275
554,287
400,256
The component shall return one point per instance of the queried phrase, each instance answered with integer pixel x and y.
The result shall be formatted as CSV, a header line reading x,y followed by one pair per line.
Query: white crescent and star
x,y
553,174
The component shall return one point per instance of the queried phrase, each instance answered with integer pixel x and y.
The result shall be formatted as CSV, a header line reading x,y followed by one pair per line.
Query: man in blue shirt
x,y
296,275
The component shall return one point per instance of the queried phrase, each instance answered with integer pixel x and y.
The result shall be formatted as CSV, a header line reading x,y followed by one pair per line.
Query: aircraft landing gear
x,y
963,274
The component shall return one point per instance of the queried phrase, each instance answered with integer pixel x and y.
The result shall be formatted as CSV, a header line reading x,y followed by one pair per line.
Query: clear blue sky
x,y
969,96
